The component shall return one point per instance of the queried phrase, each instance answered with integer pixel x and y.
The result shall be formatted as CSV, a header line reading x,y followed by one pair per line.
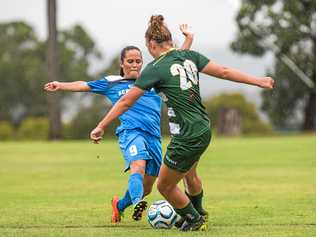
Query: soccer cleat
x,y
198,225
116,215
204,214
139,208
180,222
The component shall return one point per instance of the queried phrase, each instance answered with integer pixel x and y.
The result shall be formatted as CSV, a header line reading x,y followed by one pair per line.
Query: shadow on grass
x,y
71,226
142,227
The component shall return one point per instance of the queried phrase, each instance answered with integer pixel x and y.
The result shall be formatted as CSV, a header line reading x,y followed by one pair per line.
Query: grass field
x,y
253,187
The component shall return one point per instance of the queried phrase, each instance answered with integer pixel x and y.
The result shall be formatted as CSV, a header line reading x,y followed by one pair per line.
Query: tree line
x,y
287,29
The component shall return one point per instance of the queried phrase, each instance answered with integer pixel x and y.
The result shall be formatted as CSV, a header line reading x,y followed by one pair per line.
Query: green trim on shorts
x,y
181,155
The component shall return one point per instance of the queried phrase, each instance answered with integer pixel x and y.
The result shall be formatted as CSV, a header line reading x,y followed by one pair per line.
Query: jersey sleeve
x,y
200,60
98,86
148,78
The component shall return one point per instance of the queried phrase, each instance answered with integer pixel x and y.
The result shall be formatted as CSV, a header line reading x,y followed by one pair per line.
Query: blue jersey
x,y
143,115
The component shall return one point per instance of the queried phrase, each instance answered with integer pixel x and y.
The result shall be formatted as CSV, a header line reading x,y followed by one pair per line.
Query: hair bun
x,y
157,30
156,19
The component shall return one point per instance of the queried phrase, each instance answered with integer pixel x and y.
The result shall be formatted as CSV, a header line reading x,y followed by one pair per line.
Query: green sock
x,y
197,201
188,212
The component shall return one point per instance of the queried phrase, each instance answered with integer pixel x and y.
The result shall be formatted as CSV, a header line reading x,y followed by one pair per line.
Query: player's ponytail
x,y
157,30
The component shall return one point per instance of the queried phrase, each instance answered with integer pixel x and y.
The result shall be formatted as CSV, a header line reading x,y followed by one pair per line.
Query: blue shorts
x,y
136,144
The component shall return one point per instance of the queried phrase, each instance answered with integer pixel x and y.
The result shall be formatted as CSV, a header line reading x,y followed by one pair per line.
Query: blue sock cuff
x,y
137,176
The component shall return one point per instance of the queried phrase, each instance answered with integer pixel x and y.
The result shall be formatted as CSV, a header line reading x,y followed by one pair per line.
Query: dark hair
x,y
123,55
157,30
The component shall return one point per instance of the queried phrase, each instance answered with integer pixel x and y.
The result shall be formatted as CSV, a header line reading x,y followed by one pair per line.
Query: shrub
x,y
33,129
6,131
251,122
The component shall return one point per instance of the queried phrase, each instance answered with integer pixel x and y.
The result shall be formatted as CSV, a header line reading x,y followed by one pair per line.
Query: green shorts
x,y
182,154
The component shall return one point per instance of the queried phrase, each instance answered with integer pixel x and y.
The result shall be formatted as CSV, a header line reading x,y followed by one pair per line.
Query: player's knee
x,y
138,167
164,188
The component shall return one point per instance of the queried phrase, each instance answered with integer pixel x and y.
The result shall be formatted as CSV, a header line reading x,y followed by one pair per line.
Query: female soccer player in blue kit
x,y
139,131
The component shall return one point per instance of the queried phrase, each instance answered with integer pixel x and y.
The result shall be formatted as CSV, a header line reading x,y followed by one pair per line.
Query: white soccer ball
x,y
161,215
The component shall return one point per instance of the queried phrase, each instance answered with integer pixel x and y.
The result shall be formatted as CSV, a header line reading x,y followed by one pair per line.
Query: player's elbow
x,y
224,72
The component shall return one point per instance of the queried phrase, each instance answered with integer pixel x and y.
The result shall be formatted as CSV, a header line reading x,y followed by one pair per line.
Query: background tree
x,y
22,73
23,69
53,100
283,28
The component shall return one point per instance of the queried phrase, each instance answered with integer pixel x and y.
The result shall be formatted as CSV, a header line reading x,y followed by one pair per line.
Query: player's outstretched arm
x,y
188,36
231,74
118,109
67,86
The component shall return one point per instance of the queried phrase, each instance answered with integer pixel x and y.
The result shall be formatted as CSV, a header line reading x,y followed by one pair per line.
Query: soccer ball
x,y
161,215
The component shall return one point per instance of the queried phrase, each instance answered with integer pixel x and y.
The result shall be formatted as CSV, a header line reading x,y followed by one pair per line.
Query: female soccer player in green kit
x,y
175,76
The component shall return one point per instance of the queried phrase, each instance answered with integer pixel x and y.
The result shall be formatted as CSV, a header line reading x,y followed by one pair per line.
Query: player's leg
x,y
182,157
194,190
167,186
133,149
142,153
153,162
136,188
193,184
119,204
141,206
139,157
136,180
148,184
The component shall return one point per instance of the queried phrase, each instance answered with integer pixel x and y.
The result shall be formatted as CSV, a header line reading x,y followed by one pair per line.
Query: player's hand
x,y
266,82
97,134
186,31
52,86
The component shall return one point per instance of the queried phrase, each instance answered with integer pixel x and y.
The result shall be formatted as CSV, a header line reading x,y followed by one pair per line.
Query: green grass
x,y
253,187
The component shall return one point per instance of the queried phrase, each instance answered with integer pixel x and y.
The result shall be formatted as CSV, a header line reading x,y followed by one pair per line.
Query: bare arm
x,y
235,75
67,86
118,109
188,36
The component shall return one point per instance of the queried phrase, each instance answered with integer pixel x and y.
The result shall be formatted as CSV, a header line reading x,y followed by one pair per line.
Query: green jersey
x,y
175,77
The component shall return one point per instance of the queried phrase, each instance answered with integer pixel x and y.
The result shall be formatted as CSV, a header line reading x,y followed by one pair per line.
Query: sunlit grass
x,y
253,187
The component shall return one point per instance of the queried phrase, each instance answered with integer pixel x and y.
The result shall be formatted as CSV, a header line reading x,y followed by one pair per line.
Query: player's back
x,y
175,77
